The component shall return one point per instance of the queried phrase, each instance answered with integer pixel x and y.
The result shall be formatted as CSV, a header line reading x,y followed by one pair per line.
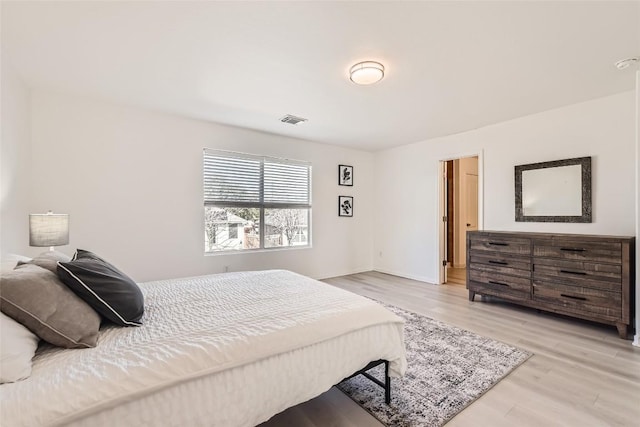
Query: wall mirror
x,y
557,191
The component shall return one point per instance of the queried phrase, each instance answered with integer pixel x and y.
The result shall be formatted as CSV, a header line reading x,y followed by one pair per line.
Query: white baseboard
x,y
636,340
344,273
428,280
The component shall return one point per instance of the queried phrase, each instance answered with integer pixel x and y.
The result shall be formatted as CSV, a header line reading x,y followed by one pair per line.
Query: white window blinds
x,y
234,179
286,183
231,179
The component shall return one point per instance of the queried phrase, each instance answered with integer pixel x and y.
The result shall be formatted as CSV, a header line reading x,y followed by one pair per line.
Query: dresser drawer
x,y
497,263
501,282
576,299
499,244
607,252
580,273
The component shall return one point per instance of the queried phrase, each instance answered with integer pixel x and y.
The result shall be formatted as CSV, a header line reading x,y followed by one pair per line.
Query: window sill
x,y
253,251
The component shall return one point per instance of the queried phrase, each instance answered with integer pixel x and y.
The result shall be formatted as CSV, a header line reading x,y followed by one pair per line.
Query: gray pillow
x,y
36,298
48,260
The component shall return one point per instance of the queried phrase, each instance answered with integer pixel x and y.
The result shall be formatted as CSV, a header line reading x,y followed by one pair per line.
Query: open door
x,y
443,227
461,211
471,201
451,241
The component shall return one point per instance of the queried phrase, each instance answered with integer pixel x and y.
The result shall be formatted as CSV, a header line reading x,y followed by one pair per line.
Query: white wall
x,y
406,179
131,180
14,165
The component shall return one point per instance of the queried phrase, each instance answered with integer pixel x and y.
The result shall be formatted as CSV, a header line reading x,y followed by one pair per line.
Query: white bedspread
x,y
193,328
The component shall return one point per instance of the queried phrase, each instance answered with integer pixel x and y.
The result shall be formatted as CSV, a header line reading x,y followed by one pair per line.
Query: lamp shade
x,y
48,229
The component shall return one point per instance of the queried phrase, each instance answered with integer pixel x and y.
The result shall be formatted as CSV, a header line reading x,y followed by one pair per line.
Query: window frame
x,y
261,205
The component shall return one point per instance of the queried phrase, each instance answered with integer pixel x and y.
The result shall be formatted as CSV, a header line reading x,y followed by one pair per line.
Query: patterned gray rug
x,y
448,369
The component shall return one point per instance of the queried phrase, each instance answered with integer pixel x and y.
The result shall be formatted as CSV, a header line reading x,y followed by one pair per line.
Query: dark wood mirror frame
x,y
585,163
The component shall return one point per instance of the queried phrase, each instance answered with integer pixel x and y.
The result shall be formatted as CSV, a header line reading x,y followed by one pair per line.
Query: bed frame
x,y
386,385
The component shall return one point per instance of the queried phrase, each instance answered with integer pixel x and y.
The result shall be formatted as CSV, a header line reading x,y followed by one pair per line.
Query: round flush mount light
x,y
366,73
626,63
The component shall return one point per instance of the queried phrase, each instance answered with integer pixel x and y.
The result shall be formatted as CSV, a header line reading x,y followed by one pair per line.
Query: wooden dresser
x,y
591,277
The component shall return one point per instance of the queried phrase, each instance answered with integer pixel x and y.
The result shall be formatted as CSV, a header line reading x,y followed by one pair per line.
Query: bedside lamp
x,y
48,230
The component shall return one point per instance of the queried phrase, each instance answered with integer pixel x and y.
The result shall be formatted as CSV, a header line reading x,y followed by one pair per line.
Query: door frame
x,y
440,225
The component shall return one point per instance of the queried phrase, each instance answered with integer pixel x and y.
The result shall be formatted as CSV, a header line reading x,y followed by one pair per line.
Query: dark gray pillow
x,y
48,260
36,298
109,291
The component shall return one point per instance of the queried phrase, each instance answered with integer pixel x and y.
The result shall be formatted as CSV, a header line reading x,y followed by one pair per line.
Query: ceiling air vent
x,y
293,120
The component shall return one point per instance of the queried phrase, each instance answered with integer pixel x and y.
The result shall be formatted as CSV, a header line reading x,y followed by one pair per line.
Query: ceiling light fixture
x,y
626,63
366,73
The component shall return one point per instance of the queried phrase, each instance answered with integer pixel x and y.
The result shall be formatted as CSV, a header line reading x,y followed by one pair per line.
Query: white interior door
x,y
471,201
469,213
443,223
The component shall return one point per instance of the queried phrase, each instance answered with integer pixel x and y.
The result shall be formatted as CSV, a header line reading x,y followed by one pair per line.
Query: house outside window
x,y
255,202
233,231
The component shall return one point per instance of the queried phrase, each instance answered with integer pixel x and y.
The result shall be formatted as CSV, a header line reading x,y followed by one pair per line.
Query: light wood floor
x,y
456,276
581,373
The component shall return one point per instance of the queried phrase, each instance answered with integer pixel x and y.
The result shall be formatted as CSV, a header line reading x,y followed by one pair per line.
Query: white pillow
x,y
17,347
9,261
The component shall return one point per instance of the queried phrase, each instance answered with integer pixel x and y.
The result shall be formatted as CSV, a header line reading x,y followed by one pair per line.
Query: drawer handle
x,y
573,297
498,283
579,273
498,262
498,244
572,249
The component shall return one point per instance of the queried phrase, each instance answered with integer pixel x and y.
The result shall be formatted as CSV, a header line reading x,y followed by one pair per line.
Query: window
x,y
233,231
255,202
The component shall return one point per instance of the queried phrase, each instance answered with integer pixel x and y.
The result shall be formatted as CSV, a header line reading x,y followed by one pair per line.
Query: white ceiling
x,y
451,66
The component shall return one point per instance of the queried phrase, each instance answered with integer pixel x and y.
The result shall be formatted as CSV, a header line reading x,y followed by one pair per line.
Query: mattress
x,y
225,350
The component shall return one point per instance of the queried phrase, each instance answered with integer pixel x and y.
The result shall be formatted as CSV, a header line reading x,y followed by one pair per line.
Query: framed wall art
x,y
345,206
345,175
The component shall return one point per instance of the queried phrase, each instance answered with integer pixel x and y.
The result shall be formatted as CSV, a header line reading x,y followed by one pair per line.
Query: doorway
x,y
460,205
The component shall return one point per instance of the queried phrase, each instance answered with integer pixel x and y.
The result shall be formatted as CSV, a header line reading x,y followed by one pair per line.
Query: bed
x,y
229,349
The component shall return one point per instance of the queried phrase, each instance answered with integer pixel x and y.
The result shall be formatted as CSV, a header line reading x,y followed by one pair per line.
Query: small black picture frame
x,y
345,175
345,206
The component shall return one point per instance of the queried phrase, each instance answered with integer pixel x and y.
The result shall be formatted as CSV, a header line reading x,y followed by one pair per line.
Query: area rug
x,y
448,368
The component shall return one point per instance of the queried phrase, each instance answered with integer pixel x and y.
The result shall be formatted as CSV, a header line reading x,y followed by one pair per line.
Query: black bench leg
x,y
387,380
387,383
